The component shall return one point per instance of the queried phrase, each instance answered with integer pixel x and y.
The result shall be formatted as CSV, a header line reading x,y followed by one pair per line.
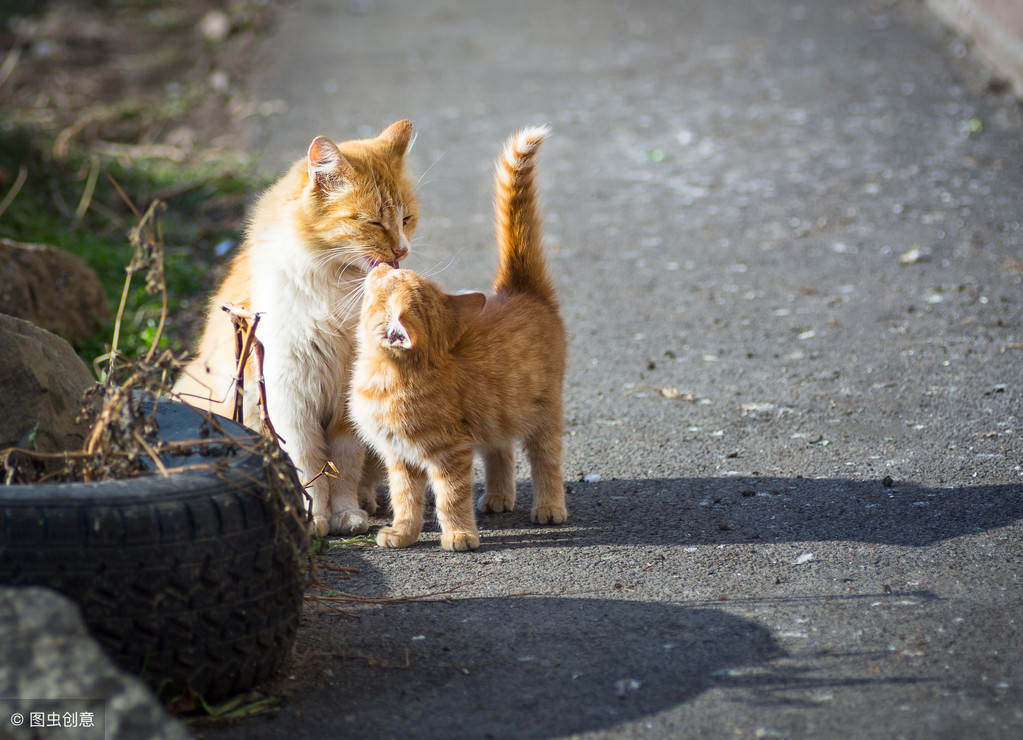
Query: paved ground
x,y
787,240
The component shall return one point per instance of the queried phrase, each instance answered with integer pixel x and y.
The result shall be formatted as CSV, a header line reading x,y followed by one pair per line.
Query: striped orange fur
x,y
440,376
312,237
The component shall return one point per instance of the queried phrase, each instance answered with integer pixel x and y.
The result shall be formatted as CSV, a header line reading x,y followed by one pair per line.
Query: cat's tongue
x,y
390,263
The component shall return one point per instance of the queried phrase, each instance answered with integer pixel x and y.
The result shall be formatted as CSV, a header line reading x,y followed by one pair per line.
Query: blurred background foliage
x,y
149,95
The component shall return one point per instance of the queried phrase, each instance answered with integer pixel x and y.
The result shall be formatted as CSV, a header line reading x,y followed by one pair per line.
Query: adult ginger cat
x,y
439,376
312,238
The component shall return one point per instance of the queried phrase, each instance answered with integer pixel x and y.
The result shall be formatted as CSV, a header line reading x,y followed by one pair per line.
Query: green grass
x,y
205,206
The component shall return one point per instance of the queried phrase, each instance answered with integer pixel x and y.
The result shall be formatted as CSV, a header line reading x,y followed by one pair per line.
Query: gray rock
x,y
51,288
42,381
51,665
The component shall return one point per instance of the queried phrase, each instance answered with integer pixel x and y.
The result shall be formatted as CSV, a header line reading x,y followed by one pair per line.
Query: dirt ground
x,y
156,93
132,80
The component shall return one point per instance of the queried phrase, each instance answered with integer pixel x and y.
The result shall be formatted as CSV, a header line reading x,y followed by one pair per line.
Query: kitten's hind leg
x,y
346,518
407,489
499,463
452,485
544,450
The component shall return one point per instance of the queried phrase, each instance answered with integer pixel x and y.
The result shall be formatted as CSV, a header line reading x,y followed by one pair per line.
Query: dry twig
x,y
346,598
15,189
245,342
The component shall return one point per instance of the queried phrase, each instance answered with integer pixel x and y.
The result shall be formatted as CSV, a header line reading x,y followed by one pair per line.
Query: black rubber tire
x,y
194,579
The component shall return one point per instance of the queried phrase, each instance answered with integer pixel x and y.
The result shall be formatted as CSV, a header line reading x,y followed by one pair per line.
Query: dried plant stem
x,y
140,151
329,470
264,414
163,287
62,144
371,661
245,343
124,196
90,187
151,452
340,596
117,330
10,62
176,447
15,189
159,327
244,333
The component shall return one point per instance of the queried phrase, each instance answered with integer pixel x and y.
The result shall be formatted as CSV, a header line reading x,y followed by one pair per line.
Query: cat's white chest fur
x,y
308,348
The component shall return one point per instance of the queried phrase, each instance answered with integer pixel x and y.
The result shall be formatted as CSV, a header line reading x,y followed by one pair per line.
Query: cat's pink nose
x,y
400,252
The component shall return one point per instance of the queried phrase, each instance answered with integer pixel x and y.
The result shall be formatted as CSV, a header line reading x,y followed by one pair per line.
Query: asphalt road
x,y
787,241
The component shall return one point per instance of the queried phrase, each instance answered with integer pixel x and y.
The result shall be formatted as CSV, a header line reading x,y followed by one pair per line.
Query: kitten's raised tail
x,y
522,267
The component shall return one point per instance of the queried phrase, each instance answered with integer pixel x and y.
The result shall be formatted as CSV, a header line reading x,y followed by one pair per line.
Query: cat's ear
x,y
396,336
329,171
397,137
464,308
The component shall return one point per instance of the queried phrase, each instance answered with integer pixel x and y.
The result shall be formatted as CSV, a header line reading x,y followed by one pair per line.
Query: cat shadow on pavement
x,y
760,509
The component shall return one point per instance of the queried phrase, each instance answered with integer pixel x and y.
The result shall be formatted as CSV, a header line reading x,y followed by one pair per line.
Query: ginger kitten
x,y
438,376
312,238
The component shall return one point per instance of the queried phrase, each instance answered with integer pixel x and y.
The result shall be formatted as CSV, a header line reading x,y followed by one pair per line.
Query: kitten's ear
x,y
329,171
396,336
397,137
464,308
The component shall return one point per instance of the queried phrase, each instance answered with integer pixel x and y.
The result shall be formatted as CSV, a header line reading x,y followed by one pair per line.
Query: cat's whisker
x,y
426,252
419,243
353,298
344,257
437,270
428,182
332,258
349,306
427,170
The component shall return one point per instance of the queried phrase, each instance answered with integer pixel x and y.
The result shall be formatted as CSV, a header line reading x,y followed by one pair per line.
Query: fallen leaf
x,y
668,392
914,255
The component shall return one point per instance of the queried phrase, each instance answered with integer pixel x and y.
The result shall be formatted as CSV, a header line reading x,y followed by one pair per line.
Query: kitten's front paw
x,y
391,537
349,522
492,503
550,514
459,541
321,526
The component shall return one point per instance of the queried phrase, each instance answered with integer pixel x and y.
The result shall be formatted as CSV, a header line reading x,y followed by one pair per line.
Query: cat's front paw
x,y
550,514
459,541
349,522
491,503
321,526
391,537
